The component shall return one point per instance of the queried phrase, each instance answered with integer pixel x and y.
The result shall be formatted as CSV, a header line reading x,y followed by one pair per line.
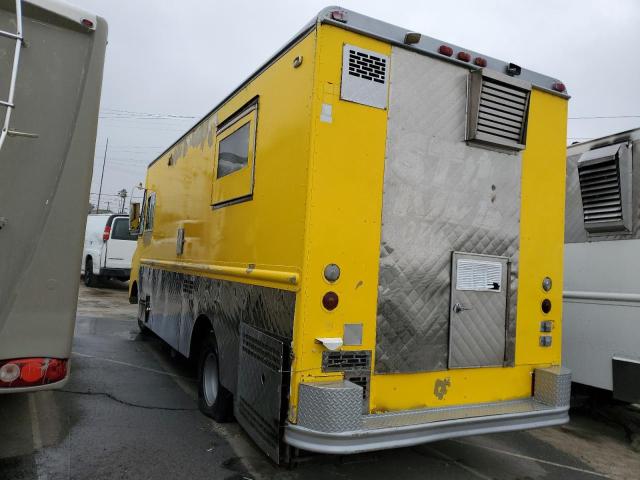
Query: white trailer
x,y
602,264
51,61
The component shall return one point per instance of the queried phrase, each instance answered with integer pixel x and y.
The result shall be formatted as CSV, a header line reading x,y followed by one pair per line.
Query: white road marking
x,y
118,362
459,464
35,423
533,459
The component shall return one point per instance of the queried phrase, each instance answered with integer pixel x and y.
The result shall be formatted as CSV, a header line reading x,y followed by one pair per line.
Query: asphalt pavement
x,y
129,412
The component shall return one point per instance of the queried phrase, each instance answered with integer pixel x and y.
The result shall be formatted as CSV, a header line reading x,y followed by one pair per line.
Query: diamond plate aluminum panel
x,y
177,300
552,386
330,406
440,196
574,224
477,328
258,404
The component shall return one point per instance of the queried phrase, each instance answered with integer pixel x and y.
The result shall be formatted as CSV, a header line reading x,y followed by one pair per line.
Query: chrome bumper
x,y
533,415
330,417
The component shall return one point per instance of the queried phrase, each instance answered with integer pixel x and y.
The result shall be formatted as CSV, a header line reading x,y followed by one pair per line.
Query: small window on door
x,y
234,158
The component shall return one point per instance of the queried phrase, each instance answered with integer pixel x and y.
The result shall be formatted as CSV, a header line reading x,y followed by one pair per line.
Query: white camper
x,y
51,61
602,264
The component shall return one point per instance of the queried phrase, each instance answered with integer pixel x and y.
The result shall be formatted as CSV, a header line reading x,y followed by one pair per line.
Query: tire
x,y
214,400
90,279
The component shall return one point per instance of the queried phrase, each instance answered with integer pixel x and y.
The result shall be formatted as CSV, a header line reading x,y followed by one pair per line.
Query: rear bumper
x,y
395,436
330,418
115,272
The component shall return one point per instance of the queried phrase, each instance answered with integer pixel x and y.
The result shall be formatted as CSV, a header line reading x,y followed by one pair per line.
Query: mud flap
x,y
261,397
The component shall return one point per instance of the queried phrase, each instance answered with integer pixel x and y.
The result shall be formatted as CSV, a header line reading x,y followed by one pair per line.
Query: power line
x,y
596,117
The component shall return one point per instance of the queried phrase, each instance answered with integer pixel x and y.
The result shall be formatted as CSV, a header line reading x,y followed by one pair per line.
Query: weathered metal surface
x,y
258,403
574,215
440,196
177,300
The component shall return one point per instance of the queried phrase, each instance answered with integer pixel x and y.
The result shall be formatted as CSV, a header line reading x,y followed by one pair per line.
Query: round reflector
x,y
546,284
464,56
330,300
332,272
559,87
546,305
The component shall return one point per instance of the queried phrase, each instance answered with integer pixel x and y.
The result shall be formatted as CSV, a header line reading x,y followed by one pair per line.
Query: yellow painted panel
x,y
344,214
262,234
542,227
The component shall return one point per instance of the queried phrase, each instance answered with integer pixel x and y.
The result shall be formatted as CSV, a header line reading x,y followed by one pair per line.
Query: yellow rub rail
x,y
249,272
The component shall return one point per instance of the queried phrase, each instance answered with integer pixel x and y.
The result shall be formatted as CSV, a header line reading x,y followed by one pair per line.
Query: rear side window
x,y
233,151
120,230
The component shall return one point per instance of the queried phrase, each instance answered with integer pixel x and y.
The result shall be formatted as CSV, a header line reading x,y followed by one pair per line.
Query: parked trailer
x,y
346,241
51,60
602,264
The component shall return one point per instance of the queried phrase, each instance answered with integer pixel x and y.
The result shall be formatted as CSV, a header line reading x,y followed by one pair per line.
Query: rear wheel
x,y
90,279
214,400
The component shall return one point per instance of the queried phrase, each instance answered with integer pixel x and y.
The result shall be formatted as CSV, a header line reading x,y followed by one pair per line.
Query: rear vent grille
x,y
367,66
498,107
605,187
601,193
346,361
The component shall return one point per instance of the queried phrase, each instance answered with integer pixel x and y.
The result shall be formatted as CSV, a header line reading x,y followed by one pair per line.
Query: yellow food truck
x,y
362,244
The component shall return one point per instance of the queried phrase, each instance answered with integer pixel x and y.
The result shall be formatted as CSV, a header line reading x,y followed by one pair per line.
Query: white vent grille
x,y
498,108
364,77
605,178
478,275
367,66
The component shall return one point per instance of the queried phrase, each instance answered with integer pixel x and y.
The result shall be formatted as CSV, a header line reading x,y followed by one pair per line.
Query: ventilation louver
x,y
364,76
498,109
367,66
605,185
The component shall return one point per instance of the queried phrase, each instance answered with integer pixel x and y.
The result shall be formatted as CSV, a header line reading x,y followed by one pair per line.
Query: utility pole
x,y
123,195
104,160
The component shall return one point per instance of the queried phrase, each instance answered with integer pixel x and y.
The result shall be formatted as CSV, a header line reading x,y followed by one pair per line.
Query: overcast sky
x,y
169,62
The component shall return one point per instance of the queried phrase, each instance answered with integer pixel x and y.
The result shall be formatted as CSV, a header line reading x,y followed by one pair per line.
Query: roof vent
x,y
498,109
605,188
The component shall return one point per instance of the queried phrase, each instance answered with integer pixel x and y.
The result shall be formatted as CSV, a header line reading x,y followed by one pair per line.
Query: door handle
x,y
458,307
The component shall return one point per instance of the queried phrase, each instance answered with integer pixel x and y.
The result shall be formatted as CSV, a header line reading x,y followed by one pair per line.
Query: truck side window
x,y
234,157
149,210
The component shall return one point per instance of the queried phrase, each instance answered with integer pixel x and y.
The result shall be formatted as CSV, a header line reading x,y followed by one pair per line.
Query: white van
x,y
108,248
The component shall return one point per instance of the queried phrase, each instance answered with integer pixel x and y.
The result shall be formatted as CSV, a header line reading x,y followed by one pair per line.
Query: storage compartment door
x,y
478,313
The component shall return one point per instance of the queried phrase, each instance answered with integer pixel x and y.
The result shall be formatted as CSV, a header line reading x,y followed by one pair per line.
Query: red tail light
x,y
330,300
31,372
106,233
87,23
559,87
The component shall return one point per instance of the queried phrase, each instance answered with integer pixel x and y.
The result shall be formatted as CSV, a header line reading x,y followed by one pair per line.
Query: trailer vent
x,y
364,77
346,361
498,109
605,188
367,66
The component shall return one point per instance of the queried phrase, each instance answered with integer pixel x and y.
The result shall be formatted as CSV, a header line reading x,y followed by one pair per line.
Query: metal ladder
x,y
8,104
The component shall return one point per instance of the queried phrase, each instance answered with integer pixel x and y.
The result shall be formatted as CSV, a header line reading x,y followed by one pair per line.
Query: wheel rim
x,y
210,379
